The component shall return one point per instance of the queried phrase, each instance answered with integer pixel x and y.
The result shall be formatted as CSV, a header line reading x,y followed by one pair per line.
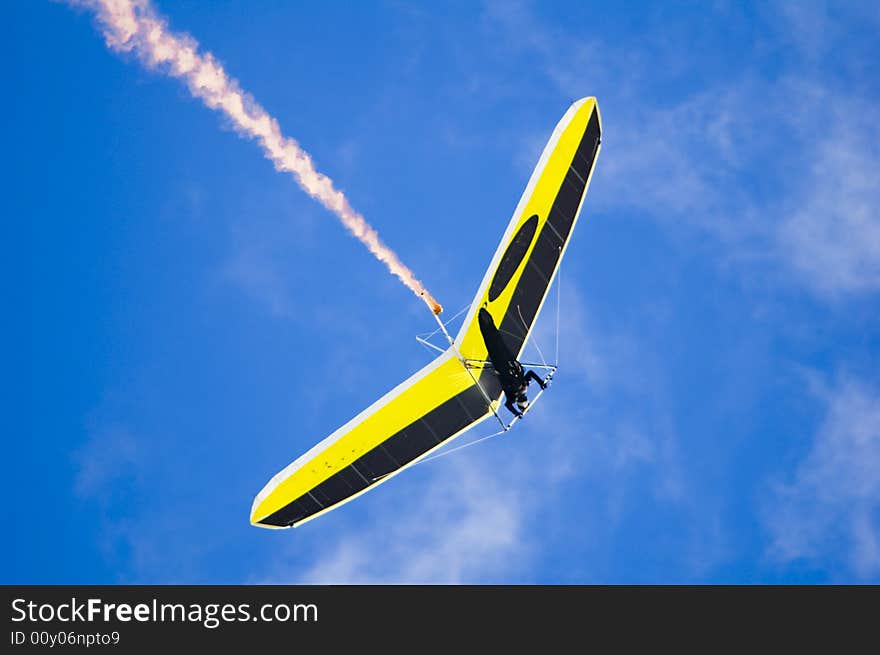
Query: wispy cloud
x,y
109,475
832,236
119,475
828,507
462,525
777,167
477,515
814,215
469,517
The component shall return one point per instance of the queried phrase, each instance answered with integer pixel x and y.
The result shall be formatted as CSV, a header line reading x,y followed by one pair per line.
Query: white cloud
x,y
476,516
813,215
808,26
832,237
781,171
817,28
142,539
831,503
109,475
464,525
467,518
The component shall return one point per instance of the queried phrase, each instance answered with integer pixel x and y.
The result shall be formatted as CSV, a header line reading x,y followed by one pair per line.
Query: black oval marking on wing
x,y
512,257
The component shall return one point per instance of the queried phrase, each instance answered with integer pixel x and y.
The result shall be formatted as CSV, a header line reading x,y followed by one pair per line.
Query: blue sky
x,y
183,320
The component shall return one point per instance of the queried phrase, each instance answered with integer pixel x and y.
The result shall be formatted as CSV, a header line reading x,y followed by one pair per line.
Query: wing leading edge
x,y
527,259
416,417
442,400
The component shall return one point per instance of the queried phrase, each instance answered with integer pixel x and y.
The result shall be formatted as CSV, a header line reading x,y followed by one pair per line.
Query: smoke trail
x,y
134,26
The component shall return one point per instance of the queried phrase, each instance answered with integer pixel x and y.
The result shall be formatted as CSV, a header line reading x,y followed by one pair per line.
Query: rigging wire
x,y
558,304
534,340
459,313
461,447
505,429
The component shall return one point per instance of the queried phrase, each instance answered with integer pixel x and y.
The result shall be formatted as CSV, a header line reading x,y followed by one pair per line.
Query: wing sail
x,y
444,399
418,416
527,259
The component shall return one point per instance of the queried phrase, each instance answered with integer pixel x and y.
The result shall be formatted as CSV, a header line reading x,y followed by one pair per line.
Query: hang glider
x,y
450,395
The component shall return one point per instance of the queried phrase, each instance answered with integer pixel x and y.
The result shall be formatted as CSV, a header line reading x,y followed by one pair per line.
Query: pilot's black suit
x,y
514,380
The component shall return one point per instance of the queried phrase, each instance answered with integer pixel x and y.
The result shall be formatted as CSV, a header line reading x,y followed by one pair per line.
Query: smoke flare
x,y
134,26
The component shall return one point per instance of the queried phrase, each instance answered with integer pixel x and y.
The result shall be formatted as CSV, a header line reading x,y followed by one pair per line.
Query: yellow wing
x,y
516,283
443,399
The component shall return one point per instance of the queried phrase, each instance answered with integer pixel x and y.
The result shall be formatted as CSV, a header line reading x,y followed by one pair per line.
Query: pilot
x,y
515,391
514,380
